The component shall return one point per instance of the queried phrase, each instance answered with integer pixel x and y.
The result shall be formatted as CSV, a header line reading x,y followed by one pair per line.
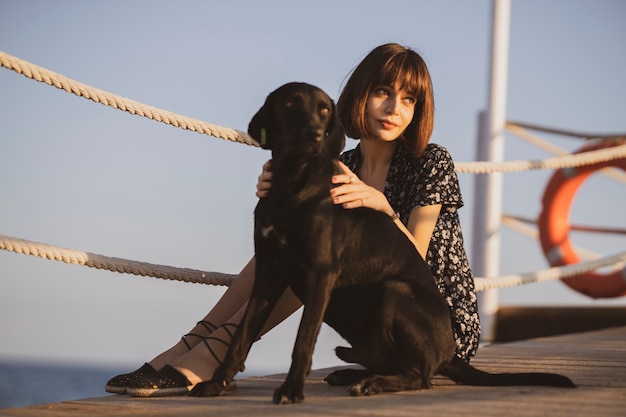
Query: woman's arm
x,y
355,193
421,225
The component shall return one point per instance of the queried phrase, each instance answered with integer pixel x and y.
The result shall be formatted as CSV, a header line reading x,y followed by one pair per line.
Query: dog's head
x,y
298,116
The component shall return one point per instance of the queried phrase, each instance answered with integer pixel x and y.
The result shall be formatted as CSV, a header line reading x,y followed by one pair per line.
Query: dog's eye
x,y
290,103
324,110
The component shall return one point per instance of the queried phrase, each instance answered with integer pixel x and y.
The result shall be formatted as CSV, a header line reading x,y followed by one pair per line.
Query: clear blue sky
x,y
80,175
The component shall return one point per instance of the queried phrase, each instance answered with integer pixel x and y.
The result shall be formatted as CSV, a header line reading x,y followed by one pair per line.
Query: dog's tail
x,y
462,372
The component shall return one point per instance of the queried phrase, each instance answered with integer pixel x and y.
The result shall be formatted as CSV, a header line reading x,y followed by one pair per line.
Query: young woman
x,y
387,104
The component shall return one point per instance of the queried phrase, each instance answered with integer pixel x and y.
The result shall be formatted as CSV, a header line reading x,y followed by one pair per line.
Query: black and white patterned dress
x,y
430,179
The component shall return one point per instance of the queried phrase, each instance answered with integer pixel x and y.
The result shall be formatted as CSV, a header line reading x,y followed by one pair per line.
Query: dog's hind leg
x,y
345,377
388,383
402,352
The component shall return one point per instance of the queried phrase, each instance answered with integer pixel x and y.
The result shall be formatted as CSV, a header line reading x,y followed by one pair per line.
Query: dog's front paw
x,y
365,387
208,389
287,394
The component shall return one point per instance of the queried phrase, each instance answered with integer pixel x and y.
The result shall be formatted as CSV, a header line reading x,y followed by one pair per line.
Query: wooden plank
x,y
596,361
521,323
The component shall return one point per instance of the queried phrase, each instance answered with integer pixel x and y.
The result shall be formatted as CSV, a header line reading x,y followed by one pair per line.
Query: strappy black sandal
x,y
119,384
164,382
169,381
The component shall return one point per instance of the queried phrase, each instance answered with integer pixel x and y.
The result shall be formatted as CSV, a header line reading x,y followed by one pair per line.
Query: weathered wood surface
x,y
526,322
596,361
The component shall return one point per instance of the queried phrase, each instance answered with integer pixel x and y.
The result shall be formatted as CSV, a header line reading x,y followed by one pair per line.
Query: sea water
x,y
30,383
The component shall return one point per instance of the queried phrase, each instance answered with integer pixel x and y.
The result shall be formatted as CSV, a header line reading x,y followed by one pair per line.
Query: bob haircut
x,y
384,66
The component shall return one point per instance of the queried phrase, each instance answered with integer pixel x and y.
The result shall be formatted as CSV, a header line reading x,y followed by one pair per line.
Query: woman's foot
x,y
119,384
164,382
189,369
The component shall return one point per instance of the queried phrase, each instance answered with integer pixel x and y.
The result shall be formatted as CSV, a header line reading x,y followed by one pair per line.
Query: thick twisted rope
x,y
190,275
117,102
519,225
100,96
523,134
567,161
124,266
549,274
588,135
578,228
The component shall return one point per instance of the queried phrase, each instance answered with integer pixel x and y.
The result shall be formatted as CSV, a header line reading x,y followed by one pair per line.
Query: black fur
x,y
353,269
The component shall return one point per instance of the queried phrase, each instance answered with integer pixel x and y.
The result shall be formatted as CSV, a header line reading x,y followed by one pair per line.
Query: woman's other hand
x,y
264,181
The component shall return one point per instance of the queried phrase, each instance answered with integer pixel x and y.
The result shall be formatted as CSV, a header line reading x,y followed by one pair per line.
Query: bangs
x,y
405,70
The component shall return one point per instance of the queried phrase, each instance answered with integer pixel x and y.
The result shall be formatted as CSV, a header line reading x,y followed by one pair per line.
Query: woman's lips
x,y
387,124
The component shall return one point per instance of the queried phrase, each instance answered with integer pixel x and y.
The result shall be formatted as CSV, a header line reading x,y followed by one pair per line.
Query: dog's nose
x,y
312,132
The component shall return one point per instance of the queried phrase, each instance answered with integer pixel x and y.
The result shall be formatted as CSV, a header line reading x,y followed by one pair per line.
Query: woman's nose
x,y
392,105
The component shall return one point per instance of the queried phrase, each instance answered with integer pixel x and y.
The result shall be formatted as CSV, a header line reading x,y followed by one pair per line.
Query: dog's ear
x,y
261,127
335,135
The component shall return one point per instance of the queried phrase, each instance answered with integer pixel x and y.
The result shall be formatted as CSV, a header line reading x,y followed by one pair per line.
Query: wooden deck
x,y
596,361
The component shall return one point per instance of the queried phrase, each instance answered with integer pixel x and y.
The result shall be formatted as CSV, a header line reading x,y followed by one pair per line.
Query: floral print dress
x,y
422,181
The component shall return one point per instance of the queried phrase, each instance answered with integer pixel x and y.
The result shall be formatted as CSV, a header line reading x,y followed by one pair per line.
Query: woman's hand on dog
x,y
354,193
264,181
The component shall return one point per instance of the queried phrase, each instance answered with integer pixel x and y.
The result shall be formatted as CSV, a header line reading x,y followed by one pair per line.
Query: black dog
x,y
353,269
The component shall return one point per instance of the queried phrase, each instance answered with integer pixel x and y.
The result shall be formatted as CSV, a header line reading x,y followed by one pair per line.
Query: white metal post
x,y
488,187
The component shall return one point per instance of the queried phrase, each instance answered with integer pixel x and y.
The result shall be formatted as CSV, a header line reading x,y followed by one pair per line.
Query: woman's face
x,y
389,111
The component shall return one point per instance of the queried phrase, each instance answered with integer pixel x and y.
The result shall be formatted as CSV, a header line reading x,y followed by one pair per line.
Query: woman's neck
x,y
376,158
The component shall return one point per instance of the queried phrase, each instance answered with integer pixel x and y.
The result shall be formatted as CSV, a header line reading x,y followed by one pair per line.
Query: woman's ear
x,y
261,127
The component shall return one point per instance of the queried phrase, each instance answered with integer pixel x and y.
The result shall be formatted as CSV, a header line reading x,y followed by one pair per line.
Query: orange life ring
x,y
554,227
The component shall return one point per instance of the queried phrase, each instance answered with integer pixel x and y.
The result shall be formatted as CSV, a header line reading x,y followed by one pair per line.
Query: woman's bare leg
x,y
198,364
235,297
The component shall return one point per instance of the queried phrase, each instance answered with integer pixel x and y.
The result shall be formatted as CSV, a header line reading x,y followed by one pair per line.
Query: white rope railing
x,y
519,225
125,266
567,161
108,99
580,135
215,278
117,102
573,227
520,132
549,274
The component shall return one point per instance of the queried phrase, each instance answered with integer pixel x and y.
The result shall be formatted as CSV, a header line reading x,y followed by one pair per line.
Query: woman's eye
x,y
411,100
382,92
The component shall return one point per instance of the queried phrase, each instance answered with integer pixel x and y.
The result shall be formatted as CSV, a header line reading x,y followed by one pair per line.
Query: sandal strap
x,y
184,339
222,341
235,326
206,343
210,327
225,327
